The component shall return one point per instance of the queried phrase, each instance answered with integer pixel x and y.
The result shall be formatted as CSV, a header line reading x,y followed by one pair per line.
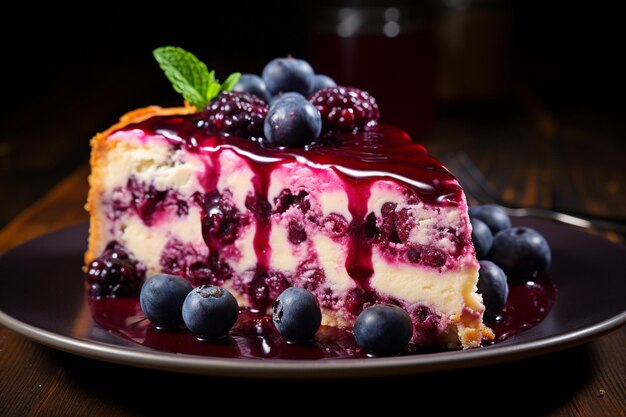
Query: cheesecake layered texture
x,y
357,219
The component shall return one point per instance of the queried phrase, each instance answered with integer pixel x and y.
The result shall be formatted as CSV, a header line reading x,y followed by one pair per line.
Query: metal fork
x,y
478,188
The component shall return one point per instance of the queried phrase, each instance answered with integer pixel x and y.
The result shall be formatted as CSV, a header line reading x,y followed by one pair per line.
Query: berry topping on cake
x,y
292,122
253,84
383,329
115,273
493,286
288,74
210,312
296,314
240,114
162,298
345,109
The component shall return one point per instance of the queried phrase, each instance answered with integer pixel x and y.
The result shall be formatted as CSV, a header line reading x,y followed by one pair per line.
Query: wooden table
x,y
588,380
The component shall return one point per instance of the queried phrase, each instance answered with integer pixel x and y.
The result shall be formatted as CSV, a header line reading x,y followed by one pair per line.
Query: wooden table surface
x,y
588,380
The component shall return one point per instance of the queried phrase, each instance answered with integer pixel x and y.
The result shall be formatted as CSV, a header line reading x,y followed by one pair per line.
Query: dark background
x,y
69,73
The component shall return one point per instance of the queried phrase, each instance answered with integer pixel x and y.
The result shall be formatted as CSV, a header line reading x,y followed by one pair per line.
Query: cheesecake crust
x,y
99,147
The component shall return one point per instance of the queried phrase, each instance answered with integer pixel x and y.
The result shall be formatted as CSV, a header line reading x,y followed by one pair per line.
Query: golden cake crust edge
x,y
99,146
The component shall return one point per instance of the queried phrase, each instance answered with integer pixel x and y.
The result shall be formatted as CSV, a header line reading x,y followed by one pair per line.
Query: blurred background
x,y
497,79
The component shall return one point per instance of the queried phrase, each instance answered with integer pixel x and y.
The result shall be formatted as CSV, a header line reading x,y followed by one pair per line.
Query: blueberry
x,y
210,312
383,329
493,285
321,81
493,216
292,123
162,298
296,314
253,84
292,95
288,74
521,252
481,237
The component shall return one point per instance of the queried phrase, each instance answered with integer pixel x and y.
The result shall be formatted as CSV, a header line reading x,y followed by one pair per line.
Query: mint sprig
x,y
190,77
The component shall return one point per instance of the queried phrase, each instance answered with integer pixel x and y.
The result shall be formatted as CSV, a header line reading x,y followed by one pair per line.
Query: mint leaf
x,y
189,76
230,82
212,91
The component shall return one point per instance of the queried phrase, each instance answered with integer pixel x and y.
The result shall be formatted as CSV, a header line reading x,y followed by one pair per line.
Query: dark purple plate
x,y
42,297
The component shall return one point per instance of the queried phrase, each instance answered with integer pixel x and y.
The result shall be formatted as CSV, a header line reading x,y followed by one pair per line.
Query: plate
x,y
42,298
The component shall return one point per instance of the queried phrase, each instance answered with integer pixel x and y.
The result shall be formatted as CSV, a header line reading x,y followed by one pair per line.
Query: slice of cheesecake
x,y
359,219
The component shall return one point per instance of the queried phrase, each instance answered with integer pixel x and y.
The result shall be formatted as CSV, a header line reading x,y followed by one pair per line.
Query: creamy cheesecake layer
x,y
260,222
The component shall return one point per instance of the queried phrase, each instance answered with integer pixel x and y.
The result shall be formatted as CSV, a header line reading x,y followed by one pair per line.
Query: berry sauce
x,y
527,305
255,337
360,159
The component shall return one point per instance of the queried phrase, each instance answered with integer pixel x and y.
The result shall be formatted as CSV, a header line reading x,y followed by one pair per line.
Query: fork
x,y
478,188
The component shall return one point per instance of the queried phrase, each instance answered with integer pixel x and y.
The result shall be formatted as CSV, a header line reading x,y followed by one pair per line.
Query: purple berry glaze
x,y
379,153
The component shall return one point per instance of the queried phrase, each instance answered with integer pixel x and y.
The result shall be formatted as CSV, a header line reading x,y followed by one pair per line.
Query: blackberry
x,y
345,109
115,273
240,114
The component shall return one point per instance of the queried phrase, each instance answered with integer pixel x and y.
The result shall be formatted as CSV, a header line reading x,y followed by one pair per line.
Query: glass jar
x,y
384,48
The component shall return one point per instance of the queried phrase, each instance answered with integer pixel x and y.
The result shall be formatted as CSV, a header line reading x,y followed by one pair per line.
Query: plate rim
x,y
301,369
